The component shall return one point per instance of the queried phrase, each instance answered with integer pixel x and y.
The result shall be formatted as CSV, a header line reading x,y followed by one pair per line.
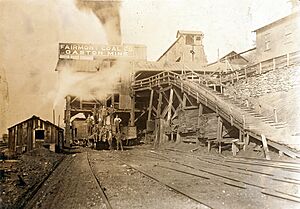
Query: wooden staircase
x,y
230,109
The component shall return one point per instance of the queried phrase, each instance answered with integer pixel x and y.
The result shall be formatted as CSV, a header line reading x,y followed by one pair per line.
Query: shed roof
x,y
35,117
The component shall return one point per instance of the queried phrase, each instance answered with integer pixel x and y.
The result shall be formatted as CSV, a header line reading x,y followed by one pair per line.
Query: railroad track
x,y
173,188
32,194
102,192
236,181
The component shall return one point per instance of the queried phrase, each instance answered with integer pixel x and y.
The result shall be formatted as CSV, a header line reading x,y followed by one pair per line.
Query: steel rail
x,y
102,193
162,183
286,196
28,200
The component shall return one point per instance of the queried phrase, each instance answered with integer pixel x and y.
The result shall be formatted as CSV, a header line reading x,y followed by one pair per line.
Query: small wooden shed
x,y
32,133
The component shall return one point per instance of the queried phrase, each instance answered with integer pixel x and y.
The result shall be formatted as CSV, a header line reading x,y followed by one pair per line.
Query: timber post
x,y
219,133
170,106
67,121
150,105
157,121
132,111
265,146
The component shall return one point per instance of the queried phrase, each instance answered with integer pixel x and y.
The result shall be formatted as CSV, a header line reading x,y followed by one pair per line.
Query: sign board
x,y
92,51
130,131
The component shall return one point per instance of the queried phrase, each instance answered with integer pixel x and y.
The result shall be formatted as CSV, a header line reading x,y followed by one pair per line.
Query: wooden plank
x,y
170,105
200,112
141,115
219,133
164,112
184,101
150,105
165,89
265,146
188,99
67,121
158,112
178,96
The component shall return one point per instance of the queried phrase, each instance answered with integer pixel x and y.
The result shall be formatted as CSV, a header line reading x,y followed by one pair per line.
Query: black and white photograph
x,y
149,104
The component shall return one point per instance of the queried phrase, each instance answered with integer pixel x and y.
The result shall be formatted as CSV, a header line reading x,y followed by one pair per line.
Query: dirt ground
x,y
22,175
170,177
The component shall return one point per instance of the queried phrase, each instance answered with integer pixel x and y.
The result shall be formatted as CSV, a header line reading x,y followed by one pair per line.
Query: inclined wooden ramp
x,y
240,116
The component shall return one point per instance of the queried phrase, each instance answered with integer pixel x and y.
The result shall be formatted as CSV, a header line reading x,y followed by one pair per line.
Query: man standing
x,y
117,122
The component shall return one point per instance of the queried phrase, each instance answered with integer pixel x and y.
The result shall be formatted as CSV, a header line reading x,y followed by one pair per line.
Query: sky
x,y
30,31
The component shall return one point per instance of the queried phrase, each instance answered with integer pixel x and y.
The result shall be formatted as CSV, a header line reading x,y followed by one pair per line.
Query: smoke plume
x,y
108,13
89,86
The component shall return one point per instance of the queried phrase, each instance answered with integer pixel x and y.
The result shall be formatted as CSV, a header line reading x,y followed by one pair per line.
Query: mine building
x,y
278,38
100,62
180,96
33,133
188,47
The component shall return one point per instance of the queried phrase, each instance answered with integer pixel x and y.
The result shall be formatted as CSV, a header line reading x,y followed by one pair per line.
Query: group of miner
x,y
104,125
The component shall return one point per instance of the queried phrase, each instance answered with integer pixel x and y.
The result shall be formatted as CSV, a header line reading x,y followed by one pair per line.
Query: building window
x,y
39,134
288,34
267,42
189,39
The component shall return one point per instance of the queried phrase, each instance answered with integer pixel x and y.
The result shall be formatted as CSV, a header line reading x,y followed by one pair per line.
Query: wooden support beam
x,y
275,116
141,115
73,100
184,101
260,68
188,99
165,89
150,105
154,110
113,100
158,112
170,105
247,139
219,129
176,112
164,112
80,103
200,112
265,146
137,75
132,111
241,135
67,121
166,99
178,96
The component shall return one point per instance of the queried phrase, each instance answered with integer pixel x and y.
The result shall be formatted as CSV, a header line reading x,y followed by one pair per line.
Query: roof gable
x,y
187,32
